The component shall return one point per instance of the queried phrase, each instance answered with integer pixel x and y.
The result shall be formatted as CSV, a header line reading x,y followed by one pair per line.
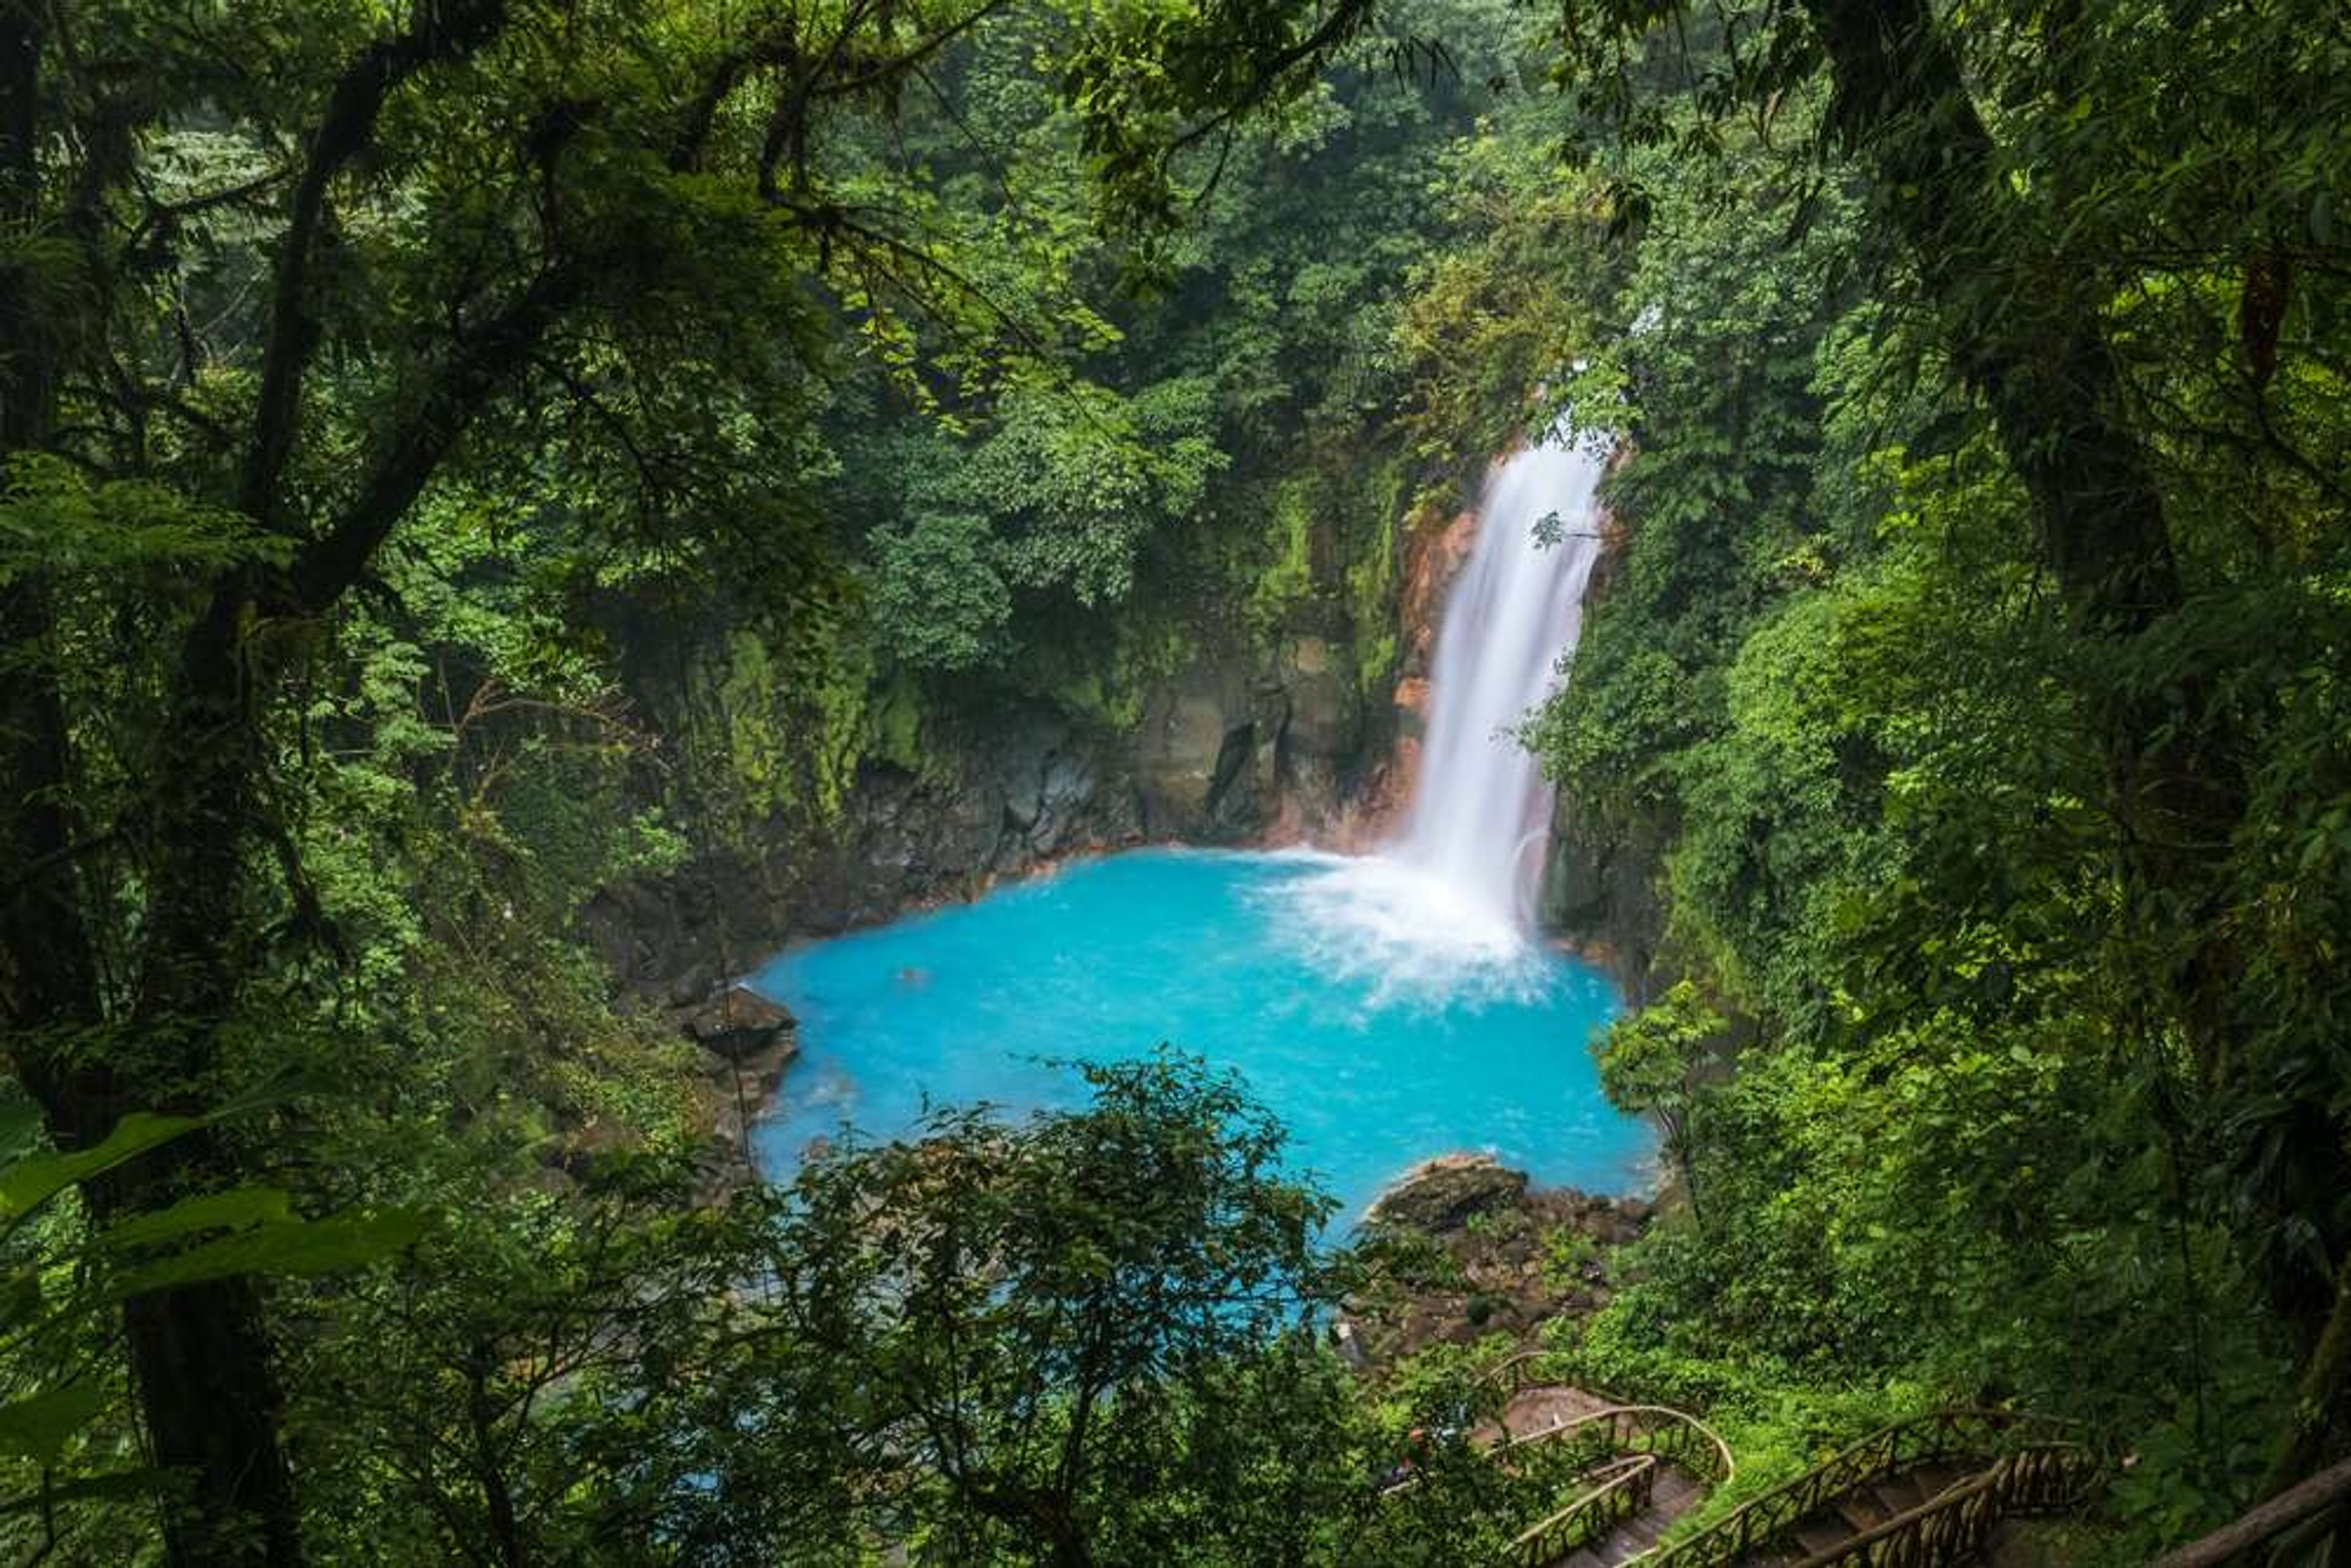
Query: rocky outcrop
x,y
1600,891
1435,548
1478,1249
739,1024
1446,1193
1023,792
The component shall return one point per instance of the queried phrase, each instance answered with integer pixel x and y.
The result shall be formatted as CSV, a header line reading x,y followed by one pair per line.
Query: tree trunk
x,y
201,1354
199,1357
211,1399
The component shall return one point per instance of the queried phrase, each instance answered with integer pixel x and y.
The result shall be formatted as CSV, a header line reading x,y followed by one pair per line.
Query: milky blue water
x,y
1379,1028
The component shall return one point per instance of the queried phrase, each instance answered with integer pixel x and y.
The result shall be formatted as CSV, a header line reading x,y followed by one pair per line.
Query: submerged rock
x,y
1445,1193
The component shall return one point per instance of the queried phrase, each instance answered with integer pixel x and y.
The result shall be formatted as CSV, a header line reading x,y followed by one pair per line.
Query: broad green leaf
x,y
301,1247
235,1209
28,1184
38,1428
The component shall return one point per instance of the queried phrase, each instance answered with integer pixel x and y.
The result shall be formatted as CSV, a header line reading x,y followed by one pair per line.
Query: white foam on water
x,y
1408,937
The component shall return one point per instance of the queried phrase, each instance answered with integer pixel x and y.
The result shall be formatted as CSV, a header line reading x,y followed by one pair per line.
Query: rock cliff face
x,y
1600,891
1228,749
1432,553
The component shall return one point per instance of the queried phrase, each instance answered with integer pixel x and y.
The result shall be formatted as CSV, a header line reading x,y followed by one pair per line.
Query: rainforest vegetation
x,y
464,457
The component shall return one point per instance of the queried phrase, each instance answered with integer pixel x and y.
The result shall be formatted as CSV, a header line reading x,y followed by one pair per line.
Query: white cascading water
x,y
1481,808
1452,899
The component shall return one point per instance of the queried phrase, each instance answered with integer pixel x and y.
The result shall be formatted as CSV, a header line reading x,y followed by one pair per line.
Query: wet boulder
x,y
739,1024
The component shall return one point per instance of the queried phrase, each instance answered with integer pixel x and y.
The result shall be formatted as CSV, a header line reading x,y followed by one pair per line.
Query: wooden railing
x,y
1624,1427
2031,1465
1675,1436
1613,1492
1527,1369
1610,1458
1959,1523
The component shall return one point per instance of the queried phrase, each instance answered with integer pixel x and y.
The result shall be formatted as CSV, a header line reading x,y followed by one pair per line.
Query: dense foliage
x,y
1984,556
459,457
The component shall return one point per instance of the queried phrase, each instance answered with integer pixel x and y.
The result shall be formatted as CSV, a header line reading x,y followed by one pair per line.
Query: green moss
x,y
1288,580
1371,574
897,711
777,731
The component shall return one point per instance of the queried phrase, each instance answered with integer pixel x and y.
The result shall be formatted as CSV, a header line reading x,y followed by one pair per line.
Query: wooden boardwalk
x,y
1930,1491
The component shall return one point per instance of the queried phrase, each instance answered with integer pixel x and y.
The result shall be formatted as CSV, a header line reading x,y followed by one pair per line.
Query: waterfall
x,y
1480,804
1447,908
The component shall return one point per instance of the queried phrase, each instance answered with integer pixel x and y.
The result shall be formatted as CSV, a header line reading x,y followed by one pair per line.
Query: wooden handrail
x,y
1641,1437
1511,1370
1942,1435
1960,1519
1645,1428
2045,1475
1623,1486
1517,1372
2328,1488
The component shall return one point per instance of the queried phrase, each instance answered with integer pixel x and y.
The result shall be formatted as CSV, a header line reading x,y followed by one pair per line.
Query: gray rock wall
x,y
1230,749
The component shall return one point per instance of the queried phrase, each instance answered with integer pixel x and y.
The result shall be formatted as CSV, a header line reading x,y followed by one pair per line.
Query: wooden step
x,y
1936,1479
1898,1494
1865,1510
1823,1531
1676,1493
1624,1546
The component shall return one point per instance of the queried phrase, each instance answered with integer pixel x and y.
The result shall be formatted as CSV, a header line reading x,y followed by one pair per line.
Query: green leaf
x,y
28,1184
38,1428
235,1209
301,1248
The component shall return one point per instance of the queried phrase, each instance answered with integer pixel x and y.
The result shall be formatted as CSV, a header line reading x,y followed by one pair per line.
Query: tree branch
x,y
2327,1488
441,30
328,565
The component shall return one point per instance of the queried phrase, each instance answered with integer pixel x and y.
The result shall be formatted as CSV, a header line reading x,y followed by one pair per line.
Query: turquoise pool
x,y
1381,1020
